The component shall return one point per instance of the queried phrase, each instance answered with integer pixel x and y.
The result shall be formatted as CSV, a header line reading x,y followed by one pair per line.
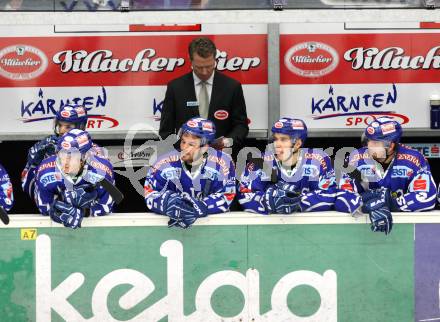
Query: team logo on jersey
x,y
22,62
48,178
310,170
311,59
401,172
370,130
345,184
278,125
221,115
420,183
367,170
171,174
211,174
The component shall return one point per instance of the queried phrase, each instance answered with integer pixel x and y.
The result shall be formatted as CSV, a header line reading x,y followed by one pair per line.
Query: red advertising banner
x,y
360,58
122,60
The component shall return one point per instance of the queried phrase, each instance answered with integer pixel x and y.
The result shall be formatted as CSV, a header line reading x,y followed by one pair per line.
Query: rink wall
x,y
233,267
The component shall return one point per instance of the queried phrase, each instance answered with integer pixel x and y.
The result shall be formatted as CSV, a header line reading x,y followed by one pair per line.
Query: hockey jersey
x,y
408,177
51,183
312,178
213,181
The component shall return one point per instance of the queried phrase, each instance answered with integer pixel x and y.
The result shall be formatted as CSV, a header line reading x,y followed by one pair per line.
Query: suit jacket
x,y
227,108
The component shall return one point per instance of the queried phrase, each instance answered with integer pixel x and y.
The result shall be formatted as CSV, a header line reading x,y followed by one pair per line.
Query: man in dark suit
x,y
207,93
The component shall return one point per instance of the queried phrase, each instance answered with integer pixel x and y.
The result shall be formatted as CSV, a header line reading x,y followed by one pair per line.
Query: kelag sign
x,y
209,273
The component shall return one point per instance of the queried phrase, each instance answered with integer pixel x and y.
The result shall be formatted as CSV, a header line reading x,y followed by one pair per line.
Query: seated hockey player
x,y
6,195
194,182
387,175
67,118
66,183
289,178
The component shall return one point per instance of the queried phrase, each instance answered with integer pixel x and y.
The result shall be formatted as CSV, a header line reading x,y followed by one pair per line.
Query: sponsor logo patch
x,y
221,115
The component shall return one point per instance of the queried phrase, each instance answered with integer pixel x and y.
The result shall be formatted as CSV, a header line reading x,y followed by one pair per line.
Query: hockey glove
x,y
70,216
39,151
278,201
381,220
290,188
376,199
81,197
189,209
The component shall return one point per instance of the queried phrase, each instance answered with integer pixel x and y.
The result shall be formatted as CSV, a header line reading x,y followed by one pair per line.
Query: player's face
x,y
203,67
190,148
284,148
377,150
70,163
64,127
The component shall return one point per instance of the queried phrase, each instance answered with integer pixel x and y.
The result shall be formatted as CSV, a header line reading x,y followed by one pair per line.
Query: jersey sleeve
x,y
45,195
104,202
420,195
322,190
252,187
6,193
222,190
156,190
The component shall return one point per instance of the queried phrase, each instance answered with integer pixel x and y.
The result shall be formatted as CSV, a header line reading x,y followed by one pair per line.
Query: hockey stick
x,y
4,216
114,192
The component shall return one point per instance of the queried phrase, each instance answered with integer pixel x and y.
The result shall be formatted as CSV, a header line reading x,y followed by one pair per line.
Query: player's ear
x,y
298,143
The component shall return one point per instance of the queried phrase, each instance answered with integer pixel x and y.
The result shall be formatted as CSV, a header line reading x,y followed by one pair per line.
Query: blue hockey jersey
x,y
51,183
313,178
30,170
213,181
408,177
6,194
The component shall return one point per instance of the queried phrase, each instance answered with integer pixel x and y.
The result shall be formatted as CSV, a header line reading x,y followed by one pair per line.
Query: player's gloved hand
x,y
70,216
290,188
381,220
375,199
349,202
169,205
191,209
38,152
278,201
81,197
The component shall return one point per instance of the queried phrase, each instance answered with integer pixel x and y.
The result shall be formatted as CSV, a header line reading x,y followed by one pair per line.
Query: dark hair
x,y
204,47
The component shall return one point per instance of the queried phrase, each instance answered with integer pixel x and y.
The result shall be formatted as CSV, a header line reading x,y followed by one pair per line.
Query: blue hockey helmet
x,y
75,140
383,129
295,128
74,114
200,127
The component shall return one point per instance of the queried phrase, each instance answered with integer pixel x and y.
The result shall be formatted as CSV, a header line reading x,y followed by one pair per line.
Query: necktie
x,y
203,101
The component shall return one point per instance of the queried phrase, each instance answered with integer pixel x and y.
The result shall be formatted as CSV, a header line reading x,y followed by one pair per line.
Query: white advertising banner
x,y
119,77
338,76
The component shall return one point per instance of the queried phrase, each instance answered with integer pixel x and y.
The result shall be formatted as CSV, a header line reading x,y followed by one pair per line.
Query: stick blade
x,y
116,194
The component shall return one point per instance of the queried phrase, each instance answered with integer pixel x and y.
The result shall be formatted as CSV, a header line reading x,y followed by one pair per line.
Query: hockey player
x,y
66,187
194,182
6,195
291,178
387,175
67,118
